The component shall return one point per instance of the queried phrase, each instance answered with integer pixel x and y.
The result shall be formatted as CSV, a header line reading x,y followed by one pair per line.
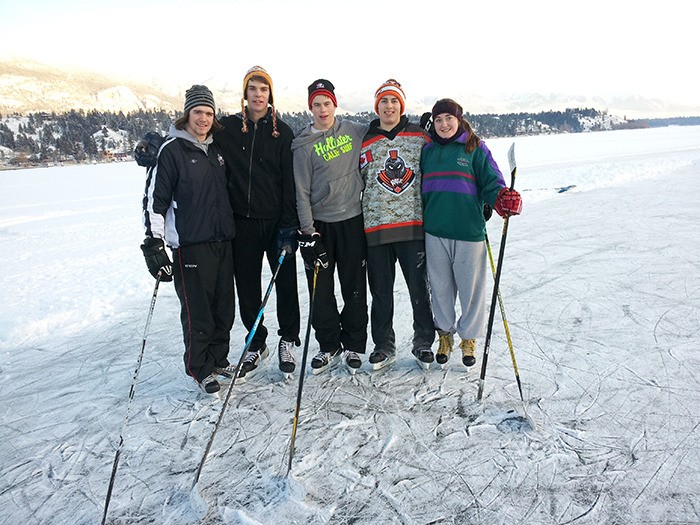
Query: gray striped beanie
x,y
198,96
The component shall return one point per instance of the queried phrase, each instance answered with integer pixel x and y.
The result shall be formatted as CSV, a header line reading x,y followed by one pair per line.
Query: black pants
x,y
203,279
347,250
381,268
256,238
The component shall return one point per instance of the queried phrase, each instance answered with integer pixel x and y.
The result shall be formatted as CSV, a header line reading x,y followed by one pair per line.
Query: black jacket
x,y
260,170
186,199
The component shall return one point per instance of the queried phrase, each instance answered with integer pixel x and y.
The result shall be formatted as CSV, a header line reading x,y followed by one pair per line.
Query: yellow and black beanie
x,y
257,71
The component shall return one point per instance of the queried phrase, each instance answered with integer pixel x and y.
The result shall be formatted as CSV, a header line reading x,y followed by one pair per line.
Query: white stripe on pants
x,y
457,268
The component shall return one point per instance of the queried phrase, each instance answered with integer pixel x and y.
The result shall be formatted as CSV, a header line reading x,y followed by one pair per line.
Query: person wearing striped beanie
x,y
393,222
199,96
257,147
390,88
191,175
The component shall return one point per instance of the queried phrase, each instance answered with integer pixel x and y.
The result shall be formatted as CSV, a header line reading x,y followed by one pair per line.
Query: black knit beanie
x,y
322,87
447,105
198,96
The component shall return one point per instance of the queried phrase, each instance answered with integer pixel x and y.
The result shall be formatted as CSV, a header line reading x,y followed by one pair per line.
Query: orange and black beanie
x,y
390,87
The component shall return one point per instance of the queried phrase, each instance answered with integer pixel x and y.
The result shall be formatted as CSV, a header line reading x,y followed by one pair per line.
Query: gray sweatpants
x,y
457,268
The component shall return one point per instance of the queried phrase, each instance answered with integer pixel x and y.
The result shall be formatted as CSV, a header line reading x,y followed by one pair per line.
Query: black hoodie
x,y
260,169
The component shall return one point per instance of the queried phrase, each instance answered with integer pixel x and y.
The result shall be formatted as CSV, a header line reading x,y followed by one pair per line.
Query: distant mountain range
x,y
30,87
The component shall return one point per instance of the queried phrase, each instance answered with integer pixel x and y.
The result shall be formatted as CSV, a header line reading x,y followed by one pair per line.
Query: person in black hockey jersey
x,y
186,206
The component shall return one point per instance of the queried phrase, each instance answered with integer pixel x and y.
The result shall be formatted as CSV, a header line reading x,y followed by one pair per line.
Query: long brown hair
x,y
473,139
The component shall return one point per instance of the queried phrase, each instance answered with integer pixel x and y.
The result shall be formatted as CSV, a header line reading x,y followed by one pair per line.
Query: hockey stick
x,y
505,323
303,369
497,279
132,391
529,419
194,492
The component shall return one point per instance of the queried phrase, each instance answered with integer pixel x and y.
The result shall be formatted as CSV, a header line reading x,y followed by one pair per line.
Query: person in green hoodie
x,y
459,177
329,187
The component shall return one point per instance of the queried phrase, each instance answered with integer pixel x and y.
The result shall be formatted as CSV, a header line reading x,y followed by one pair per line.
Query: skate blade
x,y
352,370
385,363
334,362
423,364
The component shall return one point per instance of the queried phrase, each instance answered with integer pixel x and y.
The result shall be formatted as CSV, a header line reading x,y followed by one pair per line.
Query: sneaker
x,y
445,347
352,361
424,356
379,359
468,347
252,360
325,360
286,355
209,384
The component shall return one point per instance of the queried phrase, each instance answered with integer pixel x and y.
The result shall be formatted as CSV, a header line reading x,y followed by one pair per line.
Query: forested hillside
x,y
93,136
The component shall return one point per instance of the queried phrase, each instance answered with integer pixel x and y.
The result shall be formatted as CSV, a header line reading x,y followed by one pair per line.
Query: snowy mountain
x,y
29,87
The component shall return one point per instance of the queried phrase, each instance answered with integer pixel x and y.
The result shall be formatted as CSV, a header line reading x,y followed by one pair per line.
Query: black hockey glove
x,y
146,150
157,259
488,211
312,250
426,121
287,240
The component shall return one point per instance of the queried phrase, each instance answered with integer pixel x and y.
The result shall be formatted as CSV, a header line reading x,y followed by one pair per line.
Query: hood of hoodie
x,y
183,134
309,135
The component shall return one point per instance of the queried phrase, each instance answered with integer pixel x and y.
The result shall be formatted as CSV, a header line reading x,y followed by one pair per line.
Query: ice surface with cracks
x,y
601,285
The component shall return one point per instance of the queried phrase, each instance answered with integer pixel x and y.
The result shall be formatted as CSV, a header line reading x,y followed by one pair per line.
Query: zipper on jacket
x,y
250,164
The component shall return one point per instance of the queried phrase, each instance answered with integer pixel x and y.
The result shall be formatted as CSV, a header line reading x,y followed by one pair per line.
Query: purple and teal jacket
x,y
456,184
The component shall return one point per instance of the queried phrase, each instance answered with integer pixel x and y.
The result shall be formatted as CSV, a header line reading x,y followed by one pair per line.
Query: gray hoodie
x,y
327,173
184,134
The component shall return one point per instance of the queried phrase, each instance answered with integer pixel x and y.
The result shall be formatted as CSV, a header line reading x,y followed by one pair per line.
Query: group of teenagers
x,y
225,194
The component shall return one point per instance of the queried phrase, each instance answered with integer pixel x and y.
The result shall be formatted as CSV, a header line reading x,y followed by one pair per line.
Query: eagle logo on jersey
x,y
395,177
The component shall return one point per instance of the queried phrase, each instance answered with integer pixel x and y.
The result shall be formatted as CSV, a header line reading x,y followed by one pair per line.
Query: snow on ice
x,y
601,286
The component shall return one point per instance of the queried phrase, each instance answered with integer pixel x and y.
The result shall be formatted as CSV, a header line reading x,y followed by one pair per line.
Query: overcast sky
x,y
593,48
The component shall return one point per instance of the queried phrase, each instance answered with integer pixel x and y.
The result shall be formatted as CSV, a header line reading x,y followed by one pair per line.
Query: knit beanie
x,y
390,87
198,96
257,71
322,87
447,105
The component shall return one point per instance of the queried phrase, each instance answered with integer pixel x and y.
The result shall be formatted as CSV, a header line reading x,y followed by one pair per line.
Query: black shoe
x,y
209,384
380,358
285,349
424,356
352,360
252,360
325,360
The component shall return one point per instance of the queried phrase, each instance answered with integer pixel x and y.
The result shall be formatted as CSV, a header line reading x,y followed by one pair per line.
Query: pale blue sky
x,y
599,48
